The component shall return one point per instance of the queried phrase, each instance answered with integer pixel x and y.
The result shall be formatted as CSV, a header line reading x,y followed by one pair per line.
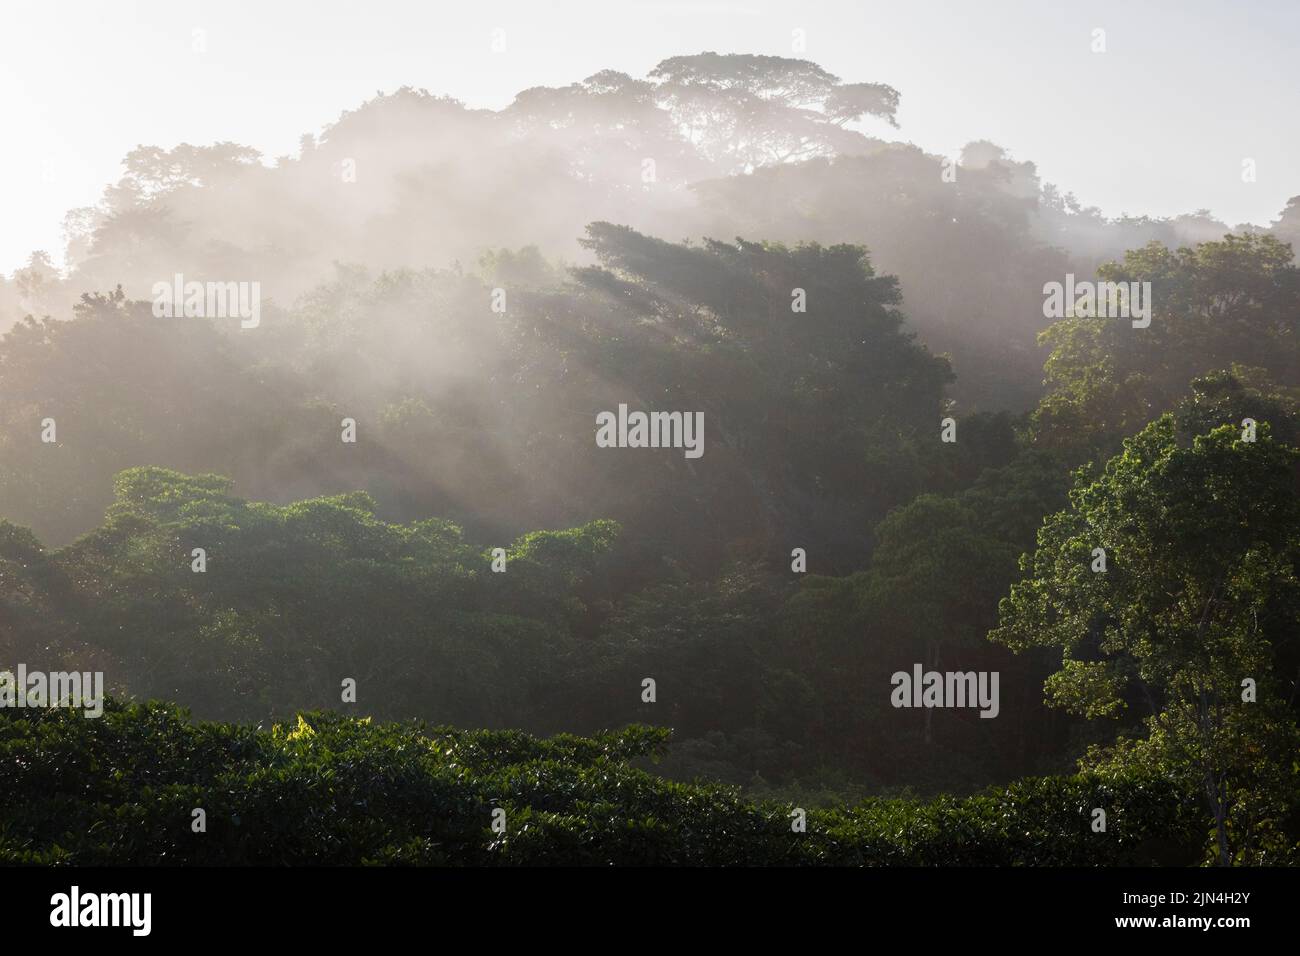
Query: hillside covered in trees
x,y
392,480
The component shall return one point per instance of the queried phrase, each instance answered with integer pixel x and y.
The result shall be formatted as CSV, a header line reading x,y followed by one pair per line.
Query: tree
x,y
933,581
294,598
1232,301
1287,225
824,410
1229,397
1200,595
744,111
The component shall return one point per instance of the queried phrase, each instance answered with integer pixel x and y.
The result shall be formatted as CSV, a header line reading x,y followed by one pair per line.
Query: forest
x,y
365,584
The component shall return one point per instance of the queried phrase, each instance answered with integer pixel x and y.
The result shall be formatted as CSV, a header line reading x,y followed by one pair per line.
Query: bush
x,y
335,790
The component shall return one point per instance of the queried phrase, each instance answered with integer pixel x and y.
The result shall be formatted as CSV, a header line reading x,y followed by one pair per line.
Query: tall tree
x,y
1232,301
1196,616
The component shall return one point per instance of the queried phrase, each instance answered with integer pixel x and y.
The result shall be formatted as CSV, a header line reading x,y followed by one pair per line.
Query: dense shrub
x,y
328,789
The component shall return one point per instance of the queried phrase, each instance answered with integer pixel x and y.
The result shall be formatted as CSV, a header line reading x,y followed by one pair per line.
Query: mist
x,y
700,399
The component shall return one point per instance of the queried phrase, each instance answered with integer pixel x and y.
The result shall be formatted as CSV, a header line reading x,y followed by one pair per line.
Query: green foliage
x,y
298,597
821,433
817,420
1201,596
1230,397
329,790
1220,303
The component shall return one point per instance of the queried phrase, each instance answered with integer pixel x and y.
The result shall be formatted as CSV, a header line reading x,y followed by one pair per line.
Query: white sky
x,y
1159,124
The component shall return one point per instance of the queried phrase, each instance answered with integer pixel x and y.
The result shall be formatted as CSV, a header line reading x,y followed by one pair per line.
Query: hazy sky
x,y
1158,124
